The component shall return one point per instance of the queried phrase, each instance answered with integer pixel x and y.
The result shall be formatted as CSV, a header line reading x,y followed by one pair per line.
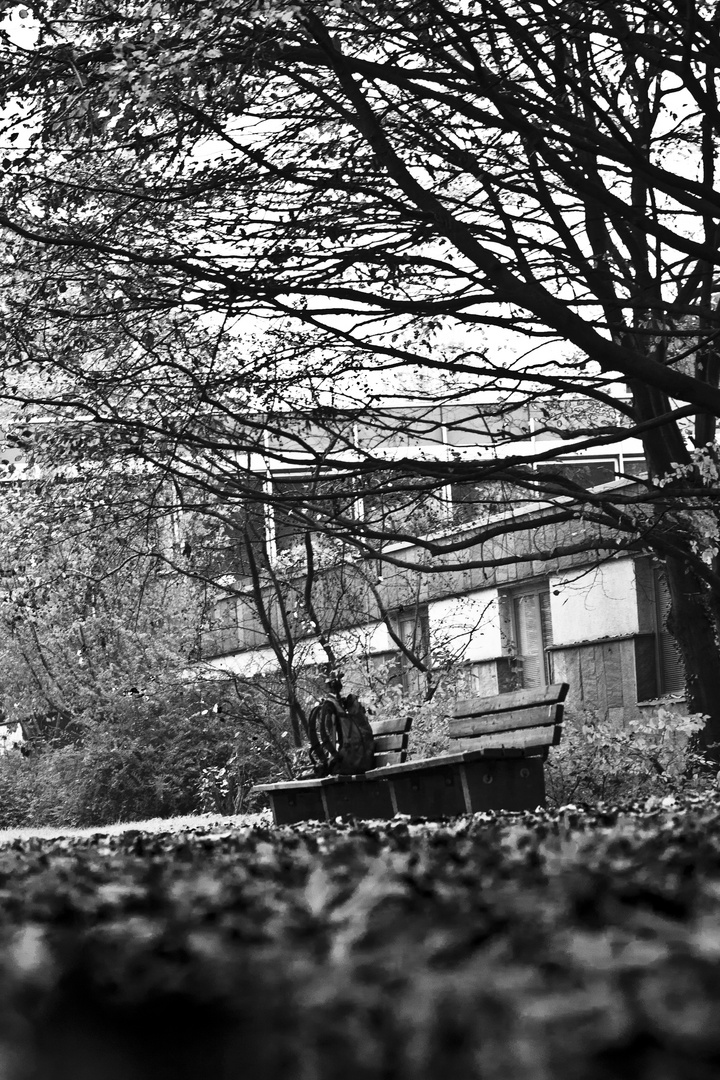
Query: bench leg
x,y
291,806
359,798
503,784
433,792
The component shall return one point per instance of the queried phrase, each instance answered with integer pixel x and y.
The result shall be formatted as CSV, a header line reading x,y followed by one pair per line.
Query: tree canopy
x,y
218,218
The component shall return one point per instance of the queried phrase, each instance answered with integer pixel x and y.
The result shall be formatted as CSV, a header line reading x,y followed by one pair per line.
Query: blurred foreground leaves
x,y
576,943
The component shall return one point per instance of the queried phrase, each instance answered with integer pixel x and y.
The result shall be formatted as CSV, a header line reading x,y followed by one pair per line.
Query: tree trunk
x,y
692,621
694,627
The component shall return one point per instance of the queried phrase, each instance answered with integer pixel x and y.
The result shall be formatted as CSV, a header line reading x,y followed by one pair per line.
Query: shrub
x,y
148,758
257,756
599,761
38,790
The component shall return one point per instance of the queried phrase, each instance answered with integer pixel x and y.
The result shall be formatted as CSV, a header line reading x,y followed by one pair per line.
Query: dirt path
x,y
211,822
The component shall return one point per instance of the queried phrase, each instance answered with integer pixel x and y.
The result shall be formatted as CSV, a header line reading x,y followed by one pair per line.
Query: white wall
x,y
349,643
10,736
252,662
586,605
595,603
467,626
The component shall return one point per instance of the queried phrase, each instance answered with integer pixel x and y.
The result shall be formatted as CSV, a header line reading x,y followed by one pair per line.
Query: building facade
x,y
595,619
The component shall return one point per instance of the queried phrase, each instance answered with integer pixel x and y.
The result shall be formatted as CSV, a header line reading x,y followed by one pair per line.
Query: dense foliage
x,y
91,623
600,761
148,764
575,944
97,642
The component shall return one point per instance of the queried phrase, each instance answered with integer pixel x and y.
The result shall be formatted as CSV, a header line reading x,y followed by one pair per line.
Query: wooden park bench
x,y
499,746
333,796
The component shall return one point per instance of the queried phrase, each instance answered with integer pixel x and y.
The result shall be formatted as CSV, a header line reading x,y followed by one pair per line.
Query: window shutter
x,y
533,628
545,620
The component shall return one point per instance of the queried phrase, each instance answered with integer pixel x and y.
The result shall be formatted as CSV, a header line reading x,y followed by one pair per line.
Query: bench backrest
x,y
524,721
391,740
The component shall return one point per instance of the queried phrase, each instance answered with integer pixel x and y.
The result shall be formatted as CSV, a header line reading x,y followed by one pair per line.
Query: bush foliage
x,y
599,761
147,762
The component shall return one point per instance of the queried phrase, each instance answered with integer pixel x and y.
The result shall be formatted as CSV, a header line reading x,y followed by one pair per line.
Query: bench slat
x,y
525,737
397,726
393,757
401,768
516,699
283,785
484,725
390,742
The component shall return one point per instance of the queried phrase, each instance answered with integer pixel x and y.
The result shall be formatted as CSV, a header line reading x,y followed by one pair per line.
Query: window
x,y
587,472
466,426
482,424
477,501
246,525
299,435
407,426
221,635
383,670
402,504
471,501
322,497
527,630
289,526
634,466
414,632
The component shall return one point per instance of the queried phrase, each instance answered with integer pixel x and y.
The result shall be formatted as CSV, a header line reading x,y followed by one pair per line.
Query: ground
x,y
583,942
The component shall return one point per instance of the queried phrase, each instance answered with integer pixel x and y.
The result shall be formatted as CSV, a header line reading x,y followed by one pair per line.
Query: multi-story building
x,y
594,618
